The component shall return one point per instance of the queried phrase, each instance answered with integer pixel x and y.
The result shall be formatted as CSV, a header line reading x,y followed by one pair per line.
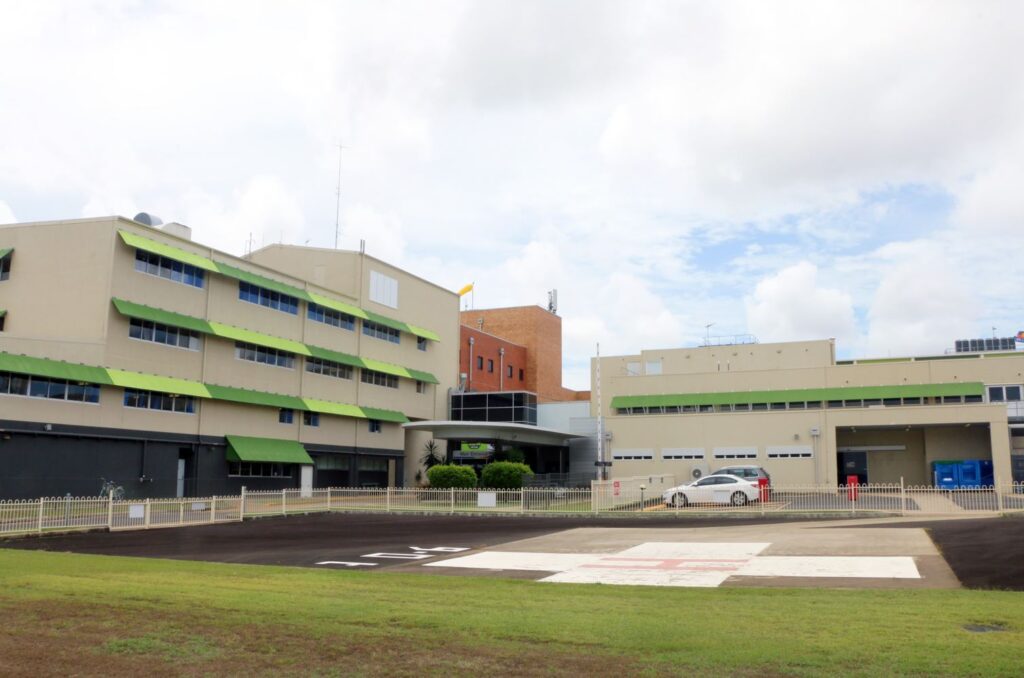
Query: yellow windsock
x,y
466,290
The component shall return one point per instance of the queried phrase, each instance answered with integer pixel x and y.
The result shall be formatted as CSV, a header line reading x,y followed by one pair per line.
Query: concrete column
x,y
999,434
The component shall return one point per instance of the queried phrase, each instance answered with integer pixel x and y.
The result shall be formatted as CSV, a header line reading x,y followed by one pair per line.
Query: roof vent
x,y
148,219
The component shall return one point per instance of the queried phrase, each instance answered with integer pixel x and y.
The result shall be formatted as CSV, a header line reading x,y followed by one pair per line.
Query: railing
x,y
631,496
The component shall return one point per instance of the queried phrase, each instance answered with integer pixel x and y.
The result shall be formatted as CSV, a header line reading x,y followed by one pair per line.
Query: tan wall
x,y
957,442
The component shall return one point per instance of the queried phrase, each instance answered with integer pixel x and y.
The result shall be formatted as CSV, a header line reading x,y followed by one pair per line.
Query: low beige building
x,y
131,353
805,417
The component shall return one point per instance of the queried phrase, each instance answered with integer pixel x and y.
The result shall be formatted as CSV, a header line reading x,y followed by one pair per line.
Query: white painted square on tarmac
x,y
877,567
694,549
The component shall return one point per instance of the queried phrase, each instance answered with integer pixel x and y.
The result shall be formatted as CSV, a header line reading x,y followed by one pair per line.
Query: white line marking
x,y
877,567
346,564
518,560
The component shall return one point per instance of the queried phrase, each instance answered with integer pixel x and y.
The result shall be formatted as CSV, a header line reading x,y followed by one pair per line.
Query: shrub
x,y
511,454
504,475
451,475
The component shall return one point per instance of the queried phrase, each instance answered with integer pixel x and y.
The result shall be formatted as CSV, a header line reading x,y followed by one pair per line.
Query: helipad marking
x,y
685,564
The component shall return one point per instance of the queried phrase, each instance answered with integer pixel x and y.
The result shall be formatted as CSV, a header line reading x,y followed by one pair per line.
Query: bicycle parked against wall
x,y
111,489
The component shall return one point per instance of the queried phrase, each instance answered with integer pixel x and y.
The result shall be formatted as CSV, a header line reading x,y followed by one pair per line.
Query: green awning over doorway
x,y
244,448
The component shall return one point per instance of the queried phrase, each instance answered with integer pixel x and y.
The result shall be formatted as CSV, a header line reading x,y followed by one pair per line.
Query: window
x,y
633,455
421,386
490,365
329,316
735,453
509,371
328,368
255,294
378,331
165,402
383,289
247,469
3,317
372,464
378,378
682,453
52,389
168,269
998,394
421,343
164,334
972,399
286,416
374,425
311,418
261,354
520,374
5,267
633,368
479,362
652,367
789,452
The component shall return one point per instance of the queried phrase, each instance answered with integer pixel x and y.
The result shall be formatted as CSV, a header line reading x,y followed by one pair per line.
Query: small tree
x,y
451,475
504,475
431,458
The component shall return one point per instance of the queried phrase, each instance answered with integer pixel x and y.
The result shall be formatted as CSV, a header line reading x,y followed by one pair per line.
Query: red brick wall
x,y
488,346
540,332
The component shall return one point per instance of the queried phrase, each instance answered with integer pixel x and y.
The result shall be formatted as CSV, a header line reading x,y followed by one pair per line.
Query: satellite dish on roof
x,y
148,219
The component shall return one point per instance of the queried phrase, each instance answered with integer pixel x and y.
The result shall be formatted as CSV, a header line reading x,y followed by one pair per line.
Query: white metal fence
x,y
57,514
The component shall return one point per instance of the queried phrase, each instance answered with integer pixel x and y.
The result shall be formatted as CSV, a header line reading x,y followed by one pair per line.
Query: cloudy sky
x,y
789,170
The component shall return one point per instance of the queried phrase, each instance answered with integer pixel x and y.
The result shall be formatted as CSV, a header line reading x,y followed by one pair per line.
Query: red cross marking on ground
x,y
688,564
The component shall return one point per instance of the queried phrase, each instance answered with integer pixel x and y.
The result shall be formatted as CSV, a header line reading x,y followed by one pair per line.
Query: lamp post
x,y
642,488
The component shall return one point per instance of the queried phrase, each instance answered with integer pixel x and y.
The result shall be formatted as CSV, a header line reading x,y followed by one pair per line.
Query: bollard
x,y
146,520
213,508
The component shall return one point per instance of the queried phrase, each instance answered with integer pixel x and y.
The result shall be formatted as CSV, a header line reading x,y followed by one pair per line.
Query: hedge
x,y
451,475
504,475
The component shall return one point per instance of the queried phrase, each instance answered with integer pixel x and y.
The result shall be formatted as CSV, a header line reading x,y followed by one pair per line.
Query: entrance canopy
x,y
243,448
502,432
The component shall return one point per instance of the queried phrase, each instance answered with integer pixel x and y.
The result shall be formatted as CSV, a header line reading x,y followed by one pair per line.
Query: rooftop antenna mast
x,y
337,202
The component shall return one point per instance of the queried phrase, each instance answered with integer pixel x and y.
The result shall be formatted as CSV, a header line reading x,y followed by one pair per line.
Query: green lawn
x,y
66,613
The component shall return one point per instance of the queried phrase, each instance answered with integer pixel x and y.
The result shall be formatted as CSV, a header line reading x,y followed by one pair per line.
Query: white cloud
x,y
791,306
6,215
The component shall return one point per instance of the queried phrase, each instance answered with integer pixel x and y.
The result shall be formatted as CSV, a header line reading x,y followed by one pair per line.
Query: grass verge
x,y
81,614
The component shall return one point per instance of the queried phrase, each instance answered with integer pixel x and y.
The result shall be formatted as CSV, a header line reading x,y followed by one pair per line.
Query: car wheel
x,y
739,499
680,500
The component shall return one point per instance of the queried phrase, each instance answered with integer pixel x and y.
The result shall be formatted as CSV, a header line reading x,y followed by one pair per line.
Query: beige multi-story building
x,y
131,353
805,417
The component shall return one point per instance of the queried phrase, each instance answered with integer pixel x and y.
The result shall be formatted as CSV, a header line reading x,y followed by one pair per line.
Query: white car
x,y
720,488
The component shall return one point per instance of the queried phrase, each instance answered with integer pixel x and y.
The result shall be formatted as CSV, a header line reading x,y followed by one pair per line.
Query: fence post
x,y
110,510
903,498
452,509
181,512
999,496
213,508
522,500
387,499
284,502
329,499
853,498
42,500
241,505
146,521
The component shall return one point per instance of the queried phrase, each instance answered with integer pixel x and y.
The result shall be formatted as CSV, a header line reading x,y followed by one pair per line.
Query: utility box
x,y
946,474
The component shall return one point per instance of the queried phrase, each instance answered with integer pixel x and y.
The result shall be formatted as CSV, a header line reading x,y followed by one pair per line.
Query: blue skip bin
x,y
966,474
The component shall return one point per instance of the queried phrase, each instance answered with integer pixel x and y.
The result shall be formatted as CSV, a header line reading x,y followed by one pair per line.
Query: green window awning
x,y
4,251
158,315
133,310
178,254
272,450
169,251
802,395
247,397
152,382
3,312
53,369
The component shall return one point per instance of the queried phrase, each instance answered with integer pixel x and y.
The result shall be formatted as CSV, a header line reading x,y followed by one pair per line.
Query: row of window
x,y
162,267
262,354
164,402
798,405
329,368
53,389
372,329
62,389
1004,394
378,378
164,334
255,294
170,269
771,453
509,369
245,469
